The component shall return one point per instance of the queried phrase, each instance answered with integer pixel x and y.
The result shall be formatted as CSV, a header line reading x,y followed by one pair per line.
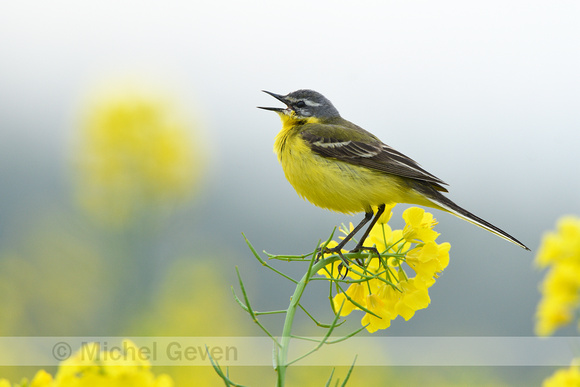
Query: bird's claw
x,y
338,251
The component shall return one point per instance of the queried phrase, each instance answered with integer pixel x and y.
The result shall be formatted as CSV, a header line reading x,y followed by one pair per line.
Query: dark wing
x,y
367,151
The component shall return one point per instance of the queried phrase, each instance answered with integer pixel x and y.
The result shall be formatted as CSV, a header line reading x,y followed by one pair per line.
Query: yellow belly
x,y
337,185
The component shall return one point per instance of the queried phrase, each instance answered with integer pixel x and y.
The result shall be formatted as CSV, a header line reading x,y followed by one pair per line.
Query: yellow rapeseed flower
x,y
389,288
560,289
414,296
381,319
429,259
136,154
569,377
356,293
42,379
419,225
92,367
387,213
561,245
387,239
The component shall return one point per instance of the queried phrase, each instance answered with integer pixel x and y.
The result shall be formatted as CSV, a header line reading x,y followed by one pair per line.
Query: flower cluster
x,y
136,152
396,283
100,368
560,251
564,377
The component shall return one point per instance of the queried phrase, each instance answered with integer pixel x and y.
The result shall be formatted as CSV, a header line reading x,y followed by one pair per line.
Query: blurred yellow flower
x,y
42,378
560,251
569,377
387,289
121,367
561,245
136,154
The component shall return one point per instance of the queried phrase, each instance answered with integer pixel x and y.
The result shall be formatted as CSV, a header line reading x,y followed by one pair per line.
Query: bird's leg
x,y
338,248
359,245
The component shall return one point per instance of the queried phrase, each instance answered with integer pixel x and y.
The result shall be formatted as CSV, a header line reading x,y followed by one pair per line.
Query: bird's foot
x,y
372,249
338,251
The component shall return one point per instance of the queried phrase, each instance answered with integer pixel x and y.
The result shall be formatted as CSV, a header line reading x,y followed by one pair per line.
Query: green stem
x,y
282,350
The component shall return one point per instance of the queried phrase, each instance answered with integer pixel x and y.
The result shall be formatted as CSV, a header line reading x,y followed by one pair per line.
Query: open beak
x,y
279,98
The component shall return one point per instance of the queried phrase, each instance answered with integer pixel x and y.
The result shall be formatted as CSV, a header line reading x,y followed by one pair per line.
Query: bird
x,y
339,166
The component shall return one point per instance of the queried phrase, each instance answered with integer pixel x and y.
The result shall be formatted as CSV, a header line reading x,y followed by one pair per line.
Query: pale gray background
x,y
482,94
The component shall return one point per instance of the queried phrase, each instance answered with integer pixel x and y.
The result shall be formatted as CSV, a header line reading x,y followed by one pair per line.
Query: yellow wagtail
x,y
338,165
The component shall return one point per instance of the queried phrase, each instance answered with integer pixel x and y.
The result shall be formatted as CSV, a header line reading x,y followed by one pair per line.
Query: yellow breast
x,y
330,183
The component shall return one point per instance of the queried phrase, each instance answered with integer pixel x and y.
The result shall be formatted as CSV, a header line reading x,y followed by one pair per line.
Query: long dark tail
x,y
447,205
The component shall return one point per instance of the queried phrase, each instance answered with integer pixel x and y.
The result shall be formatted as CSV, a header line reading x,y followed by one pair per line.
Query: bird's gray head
x,y
304,103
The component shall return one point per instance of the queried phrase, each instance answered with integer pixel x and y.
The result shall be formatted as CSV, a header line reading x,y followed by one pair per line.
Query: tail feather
x,y
447,205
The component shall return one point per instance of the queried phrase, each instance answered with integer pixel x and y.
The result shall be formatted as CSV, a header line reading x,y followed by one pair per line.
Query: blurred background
x,y
132,157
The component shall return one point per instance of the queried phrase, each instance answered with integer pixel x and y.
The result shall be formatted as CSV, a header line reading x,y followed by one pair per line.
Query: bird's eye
x,y
300,104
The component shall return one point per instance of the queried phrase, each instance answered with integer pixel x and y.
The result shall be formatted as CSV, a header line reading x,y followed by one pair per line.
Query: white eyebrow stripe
x,y
306,101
